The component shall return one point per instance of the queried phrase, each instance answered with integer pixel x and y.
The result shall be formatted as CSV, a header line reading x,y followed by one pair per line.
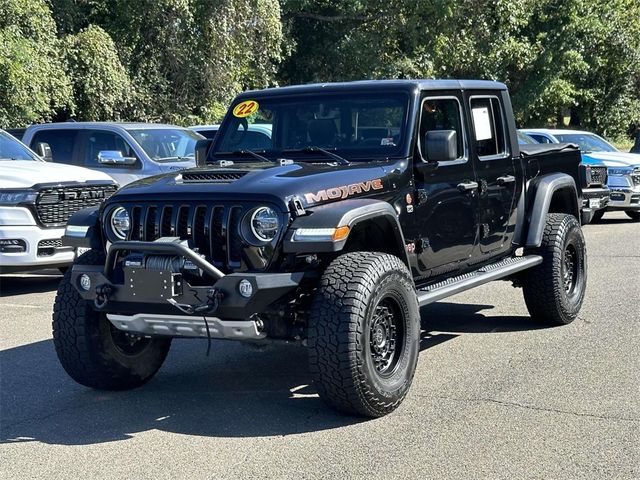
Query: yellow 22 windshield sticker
x,y
246,108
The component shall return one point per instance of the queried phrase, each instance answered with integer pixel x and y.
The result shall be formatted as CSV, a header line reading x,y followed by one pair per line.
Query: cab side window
x,y
61,142
100,140
441,114
488,127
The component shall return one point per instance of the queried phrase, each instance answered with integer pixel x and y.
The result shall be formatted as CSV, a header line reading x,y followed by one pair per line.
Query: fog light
x,y
245,288
85,282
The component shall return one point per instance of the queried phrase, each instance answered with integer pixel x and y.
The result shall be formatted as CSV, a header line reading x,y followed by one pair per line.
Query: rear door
x,y
495,170
446,200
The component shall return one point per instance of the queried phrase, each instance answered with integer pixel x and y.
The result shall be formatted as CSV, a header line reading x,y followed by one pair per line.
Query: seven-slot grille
x,y
599,175
213,229
54,205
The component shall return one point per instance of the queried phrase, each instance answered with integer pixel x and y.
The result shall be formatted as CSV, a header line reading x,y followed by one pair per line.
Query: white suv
x,y
36,200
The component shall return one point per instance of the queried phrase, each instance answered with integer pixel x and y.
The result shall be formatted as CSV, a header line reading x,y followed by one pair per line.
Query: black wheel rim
x,y
128,343
570,270
386,336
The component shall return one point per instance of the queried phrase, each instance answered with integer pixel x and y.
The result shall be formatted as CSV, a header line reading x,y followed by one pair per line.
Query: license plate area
x,y
151,285
594,203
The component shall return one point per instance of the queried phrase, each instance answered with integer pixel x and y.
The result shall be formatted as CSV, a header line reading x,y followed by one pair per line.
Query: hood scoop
x,y
215,176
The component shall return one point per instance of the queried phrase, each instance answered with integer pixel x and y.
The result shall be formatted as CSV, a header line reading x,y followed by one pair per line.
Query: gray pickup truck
x,y
125,151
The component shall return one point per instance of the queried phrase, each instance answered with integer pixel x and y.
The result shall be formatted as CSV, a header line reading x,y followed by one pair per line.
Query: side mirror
x,y
441,145
44,151
202,150
114,157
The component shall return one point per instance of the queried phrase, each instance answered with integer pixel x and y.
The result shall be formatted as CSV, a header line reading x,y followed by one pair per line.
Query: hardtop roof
x,y
364,85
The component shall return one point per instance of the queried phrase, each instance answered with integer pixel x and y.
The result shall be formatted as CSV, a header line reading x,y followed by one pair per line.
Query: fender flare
x,y
344,213
542,190
83,229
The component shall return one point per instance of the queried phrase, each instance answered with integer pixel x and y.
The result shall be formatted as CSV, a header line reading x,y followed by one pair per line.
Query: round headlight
x,y
120,223
264,224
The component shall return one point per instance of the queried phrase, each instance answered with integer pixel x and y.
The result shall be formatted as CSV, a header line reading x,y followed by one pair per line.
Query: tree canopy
x,y
183,60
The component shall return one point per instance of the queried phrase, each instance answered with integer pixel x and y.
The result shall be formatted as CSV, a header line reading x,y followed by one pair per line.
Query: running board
x,y
486,274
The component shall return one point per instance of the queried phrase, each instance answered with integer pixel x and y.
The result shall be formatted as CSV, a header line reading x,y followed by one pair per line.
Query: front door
x,y
496,172
446,200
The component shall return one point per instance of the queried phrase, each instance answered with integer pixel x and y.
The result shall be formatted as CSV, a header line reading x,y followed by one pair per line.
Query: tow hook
x,y
102,295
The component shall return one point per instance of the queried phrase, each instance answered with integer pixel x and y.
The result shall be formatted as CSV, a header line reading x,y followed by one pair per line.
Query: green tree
x,y
33,83
101,86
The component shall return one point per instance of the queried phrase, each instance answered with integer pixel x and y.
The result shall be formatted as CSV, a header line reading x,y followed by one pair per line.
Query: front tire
x,y
633,215
364,333
555,289
91,350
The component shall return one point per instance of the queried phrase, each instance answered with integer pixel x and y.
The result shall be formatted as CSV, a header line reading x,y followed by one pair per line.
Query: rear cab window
x,y
488,127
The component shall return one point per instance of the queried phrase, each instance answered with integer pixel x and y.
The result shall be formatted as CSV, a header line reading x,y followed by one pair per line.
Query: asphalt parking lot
x,y
495,396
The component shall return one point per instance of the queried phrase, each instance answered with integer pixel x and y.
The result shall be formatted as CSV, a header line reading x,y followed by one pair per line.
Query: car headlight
x,y
14,197
264,224
120,222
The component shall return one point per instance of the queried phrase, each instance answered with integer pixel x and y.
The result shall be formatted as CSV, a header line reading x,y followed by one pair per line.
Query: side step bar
x,y
486,274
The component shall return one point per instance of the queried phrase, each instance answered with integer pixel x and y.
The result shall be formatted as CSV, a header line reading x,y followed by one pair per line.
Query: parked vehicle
x,y
594,178
125,151
524,139
36,200
623,169
17,133
257,137
372,199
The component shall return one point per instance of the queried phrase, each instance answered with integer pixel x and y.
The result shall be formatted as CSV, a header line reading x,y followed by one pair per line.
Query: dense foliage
x,y
183,60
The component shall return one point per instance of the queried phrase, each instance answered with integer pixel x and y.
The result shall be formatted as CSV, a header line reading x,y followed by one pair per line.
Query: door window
x,y
62,143
442,114
488,127
100,140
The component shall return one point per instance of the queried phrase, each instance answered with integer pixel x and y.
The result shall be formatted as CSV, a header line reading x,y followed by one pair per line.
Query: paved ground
x,y
495,396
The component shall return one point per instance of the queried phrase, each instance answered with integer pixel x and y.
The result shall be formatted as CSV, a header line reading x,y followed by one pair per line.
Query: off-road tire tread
x,y
542,287
75,338
335,328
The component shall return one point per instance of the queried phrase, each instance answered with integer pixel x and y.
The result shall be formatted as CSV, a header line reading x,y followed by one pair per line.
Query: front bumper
x,y
154,291
41,248
595,198
624,199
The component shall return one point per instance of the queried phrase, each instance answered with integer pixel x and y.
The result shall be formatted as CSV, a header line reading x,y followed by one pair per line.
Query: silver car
x,y
125,151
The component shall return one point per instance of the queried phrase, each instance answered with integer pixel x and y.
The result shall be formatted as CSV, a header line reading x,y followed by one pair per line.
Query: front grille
x,y
55,205
213,230
598,175
212,177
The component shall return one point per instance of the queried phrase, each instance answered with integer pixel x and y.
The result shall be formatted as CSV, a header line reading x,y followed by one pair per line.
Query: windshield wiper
x,y
251,153
340,160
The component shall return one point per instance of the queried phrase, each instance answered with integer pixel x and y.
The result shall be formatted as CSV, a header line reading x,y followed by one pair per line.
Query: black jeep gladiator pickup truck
x,y
372,199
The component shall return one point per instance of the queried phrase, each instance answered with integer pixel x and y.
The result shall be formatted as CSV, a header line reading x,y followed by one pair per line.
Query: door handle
x,y
466,186
506,179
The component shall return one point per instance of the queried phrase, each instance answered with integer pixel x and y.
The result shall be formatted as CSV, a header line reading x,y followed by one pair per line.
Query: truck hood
x,y
312,183
611,159
26,174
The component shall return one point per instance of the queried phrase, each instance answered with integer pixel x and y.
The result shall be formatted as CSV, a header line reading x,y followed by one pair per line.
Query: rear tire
x,y
633,215
91,350
555,289
364,333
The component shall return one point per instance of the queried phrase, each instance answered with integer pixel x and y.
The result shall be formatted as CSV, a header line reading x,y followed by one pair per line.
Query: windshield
x,y
355,126
524,139
11,149
587,142
167,144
